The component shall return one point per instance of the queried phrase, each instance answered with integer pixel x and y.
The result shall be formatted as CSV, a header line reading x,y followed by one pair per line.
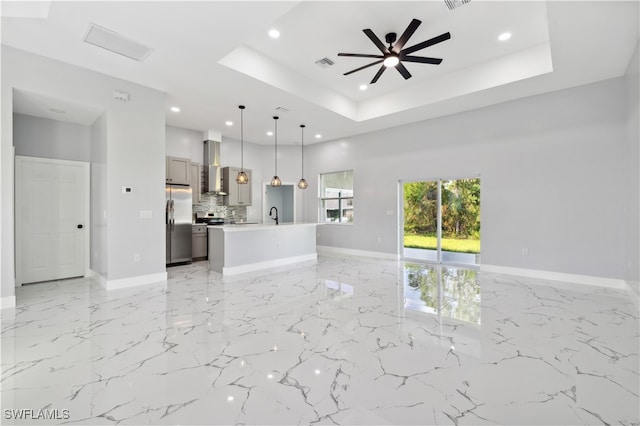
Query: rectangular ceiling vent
x,y
324,62
452,4
114,42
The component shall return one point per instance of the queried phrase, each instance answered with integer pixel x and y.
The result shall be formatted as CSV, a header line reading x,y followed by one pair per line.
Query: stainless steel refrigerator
x,y
178,223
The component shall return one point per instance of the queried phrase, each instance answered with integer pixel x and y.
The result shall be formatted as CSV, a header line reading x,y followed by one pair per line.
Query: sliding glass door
x,y
442,221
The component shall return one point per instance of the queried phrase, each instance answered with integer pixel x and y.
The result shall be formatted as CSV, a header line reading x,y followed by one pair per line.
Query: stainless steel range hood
x,y
212,170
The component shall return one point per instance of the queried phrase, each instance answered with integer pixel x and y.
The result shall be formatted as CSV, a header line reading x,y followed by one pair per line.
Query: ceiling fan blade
x,y
361,68
430,42
360,55
402,70
379,44
378,74
420,59
413,26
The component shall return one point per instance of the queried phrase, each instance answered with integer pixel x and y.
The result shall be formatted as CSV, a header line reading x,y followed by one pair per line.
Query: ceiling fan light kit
x,y
395,54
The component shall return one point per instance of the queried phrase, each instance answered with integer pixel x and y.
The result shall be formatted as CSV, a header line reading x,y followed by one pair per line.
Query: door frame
x,y
265,214
401,183
19,190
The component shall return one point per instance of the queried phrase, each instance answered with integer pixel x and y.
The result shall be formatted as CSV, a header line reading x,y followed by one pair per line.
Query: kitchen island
x,y
236,249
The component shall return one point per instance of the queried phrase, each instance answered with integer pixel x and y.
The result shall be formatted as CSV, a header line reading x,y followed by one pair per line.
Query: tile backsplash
x,y
210,203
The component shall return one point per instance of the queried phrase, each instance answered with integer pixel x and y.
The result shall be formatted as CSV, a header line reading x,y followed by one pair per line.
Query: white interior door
x,y
52,226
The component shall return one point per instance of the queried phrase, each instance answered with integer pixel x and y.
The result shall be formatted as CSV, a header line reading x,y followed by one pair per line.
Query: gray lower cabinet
x,y
199,242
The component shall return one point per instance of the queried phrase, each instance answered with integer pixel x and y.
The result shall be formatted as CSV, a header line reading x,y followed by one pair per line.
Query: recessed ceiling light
x,y
274,33
229,123
504,36
363,87
269,133
175,109
57,110
318,135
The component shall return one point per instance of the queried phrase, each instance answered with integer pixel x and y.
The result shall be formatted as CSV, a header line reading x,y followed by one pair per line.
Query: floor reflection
x,y
444,291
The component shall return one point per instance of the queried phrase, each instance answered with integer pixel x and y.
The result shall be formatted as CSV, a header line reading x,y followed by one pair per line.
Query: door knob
x,y
80,226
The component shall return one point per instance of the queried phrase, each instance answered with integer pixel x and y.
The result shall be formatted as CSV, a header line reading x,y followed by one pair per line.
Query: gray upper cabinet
x,y
196,181
237,195
178,170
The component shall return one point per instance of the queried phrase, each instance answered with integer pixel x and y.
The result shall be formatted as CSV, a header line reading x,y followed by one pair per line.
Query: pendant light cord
x,y
302,126
241,137
275,120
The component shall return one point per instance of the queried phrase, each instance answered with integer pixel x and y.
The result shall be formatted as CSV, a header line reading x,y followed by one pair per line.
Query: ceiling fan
x,y
394,55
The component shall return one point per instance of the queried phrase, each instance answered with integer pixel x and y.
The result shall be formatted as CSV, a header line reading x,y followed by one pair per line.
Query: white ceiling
x,y
211,56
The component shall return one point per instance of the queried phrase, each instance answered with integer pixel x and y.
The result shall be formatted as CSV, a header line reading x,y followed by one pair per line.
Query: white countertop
x,y
258,226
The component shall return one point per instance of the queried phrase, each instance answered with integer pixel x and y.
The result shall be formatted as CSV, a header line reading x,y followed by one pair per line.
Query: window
x,y
336,197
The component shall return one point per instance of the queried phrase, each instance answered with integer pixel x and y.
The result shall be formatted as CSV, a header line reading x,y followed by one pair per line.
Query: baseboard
x,y
7,302
129,282
100,279
557,276
634,292
252,267
328,250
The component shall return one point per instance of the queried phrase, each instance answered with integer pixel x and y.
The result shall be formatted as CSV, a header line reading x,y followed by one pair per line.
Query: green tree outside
x,y
460,214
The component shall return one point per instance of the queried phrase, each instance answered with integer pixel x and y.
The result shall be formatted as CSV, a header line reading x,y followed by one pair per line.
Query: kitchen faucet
x,y
271,211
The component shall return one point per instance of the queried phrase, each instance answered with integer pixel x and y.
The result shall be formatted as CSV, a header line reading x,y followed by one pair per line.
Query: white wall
x,y
632,89
45,138
135,152
550,173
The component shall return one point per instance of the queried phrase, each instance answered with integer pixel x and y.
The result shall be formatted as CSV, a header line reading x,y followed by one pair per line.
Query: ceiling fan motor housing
x,y
390,39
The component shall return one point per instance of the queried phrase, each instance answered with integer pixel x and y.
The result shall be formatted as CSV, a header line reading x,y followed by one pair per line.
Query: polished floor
x,y
346,341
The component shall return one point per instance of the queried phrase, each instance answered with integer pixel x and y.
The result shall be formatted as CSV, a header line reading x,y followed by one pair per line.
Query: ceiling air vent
x,y
324,62
114,42
452,4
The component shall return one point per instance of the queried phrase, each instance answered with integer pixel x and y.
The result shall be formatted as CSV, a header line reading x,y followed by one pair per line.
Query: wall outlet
x,y
525,252
136,257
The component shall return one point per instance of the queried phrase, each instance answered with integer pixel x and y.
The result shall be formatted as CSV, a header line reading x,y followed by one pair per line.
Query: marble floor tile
x,y
346,341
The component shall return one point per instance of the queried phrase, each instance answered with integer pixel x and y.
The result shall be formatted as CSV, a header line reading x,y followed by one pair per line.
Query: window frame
x,y
321,200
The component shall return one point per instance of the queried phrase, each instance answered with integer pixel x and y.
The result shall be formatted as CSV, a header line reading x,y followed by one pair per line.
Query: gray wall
x,y
550,170
135,151
184,143
632,77
41,137
99,247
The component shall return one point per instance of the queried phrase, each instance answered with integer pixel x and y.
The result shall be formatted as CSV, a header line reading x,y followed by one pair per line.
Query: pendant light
x,y
302,183
276,180
242,177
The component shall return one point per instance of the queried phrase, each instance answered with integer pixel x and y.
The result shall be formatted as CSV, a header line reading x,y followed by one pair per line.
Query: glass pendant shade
x,y
275,181
302,183
242,177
